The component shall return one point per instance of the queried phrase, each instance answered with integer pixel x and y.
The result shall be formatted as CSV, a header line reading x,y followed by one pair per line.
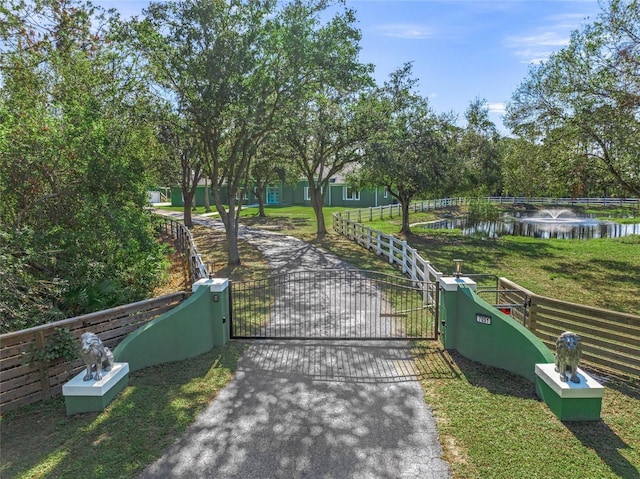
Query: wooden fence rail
x,y
184,242
611,340
23,380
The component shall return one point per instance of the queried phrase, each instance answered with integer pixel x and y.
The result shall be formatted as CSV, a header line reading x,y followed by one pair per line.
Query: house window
x,y
350,194
386,193
245,196
307,193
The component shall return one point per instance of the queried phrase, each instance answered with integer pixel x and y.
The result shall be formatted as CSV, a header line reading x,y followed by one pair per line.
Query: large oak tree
x,y
586,98
233,67
412,152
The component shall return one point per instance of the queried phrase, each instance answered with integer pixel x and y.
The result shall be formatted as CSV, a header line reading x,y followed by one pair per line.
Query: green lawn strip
x,y
135,429
492,425
597,272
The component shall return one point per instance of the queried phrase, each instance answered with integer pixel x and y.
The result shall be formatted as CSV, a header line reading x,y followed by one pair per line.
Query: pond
x,y
548,223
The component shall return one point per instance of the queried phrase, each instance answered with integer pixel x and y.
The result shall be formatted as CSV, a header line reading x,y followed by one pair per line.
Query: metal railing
x,y
334,304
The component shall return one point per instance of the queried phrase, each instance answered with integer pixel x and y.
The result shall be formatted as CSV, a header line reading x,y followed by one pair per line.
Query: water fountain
x,y
557,221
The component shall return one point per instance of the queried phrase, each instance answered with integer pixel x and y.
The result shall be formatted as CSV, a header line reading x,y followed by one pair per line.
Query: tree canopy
x,y
233,68
411,152
74,152
583,105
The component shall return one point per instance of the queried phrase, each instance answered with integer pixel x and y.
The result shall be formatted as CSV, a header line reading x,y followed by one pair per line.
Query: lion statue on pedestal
x,y
96,356
568,355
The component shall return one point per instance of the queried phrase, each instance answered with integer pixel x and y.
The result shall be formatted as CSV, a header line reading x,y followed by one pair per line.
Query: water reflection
x,y
563,224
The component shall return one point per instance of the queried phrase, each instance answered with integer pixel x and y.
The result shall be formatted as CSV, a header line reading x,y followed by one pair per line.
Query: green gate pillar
x,y
449,286
220,312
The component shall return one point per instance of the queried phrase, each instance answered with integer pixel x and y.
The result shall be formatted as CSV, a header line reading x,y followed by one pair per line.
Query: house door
x,y
273,195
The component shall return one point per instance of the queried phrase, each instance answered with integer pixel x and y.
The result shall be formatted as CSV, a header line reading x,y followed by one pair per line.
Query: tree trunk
x,y
260,197
232,242
406,229
231,225
317,202
207,204
188,201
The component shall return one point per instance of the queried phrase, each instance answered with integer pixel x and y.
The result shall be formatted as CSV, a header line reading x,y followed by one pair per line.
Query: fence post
x,y
391,255
404,257
378,243
426,287
41,343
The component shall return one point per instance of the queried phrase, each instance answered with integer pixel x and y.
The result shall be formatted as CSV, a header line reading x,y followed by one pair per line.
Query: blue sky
x,y
461,49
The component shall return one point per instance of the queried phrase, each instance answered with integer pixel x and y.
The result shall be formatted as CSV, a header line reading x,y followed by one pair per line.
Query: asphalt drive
x,y
311,409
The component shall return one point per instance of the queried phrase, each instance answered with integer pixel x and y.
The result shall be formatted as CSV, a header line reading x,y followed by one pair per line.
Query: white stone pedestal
x,y
85,396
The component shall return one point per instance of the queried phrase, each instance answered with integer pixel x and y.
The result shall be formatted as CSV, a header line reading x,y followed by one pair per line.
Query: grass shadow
x,y
495,380
157,406
432,361
600,438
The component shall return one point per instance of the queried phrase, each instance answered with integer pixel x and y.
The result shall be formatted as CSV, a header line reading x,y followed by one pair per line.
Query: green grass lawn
x,y
598,272
157,406
492,425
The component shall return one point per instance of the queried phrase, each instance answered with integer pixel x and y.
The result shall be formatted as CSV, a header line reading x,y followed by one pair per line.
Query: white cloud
x,y
407,31
499,108
538,45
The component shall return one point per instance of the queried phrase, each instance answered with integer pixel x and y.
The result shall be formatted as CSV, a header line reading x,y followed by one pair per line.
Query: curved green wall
x,y
188,330
498,341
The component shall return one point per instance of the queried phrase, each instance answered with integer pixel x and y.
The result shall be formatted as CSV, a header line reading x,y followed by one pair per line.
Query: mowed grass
x,y
598,272
156,407
492,425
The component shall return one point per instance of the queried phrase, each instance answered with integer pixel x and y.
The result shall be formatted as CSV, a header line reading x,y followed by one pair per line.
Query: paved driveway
x,y
311,409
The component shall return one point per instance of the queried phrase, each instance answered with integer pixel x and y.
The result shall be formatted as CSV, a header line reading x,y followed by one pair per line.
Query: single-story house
x,y
339,194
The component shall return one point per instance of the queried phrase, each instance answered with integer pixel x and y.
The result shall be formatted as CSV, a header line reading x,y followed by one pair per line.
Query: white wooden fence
x,y
391,211
350,223
396,251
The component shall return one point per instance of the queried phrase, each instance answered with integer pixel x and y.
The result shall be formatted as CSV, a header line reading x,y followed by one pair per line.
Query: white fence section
x,y
391,211
397,252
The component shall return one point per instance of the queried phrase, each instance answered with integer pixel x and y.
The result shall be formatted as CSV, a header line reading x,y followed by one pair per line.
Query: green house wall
x,y
294,195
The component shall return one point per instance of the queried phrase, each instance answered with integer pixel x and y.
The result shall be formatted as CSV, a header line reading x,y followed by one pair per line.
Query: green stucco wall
x,y
504,343
294,195
189,329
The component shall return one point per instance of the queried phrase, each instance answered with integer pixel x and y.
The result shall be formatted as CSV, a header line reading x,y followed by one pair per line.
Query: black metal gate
x,y
334,304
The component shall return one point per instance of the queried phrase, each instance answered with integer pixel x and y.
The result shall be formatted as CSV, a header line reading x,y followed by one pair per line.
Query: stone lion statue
x,y
96,356
568,355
